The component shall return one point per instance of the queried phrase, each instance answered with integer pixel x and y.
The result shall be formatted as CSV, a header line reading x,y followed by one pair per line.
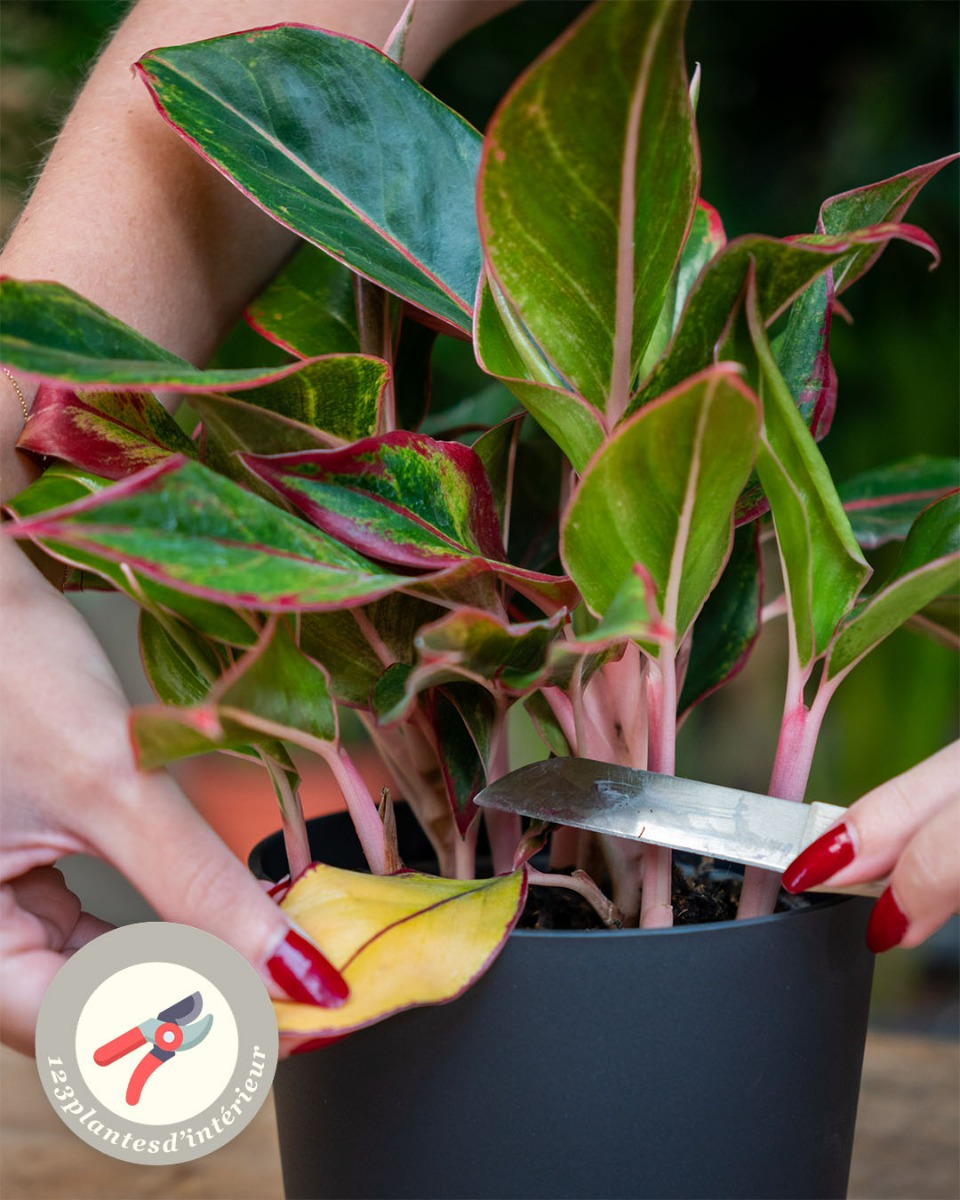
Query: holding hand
x,y
907,829
70,785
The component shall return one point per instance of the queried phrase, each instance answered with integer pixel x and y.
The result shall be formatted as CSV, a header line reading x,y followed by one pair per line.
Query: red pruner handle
x,y
141,1073
120,1046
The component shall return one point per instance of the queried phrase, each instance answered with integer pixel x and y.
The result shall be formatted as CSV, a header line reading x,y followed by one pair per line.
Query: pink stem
x,y
656,907
361,806
295,839
799,731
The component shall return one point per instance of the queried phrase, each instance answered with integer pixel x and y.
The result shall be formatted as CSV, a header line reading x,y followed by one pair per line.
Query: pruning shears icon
x,y
169,1032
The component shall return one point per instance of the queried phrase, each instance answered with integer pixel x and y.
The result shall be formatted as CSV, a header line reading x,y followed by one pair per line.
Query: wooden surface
x,y
907,1145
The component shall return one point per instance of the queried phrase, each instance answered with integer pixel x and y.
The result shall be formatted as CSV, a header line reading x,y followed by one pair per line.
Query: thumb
x,y
177,863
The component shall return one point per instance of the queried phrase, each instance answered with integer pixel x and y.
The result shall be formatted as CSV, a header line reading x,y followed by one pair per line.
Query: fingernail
x,y
821,860
887,925
305,975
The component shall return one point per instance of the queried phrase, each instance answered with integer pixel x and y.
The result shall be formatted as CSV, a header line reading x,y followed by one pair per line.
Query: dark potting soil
x,y
700,895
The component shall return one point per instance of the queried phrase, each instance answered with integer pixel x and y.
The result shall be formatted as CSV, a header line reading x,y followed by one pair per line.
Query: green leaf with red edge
x,y
784,268
400,941
335,399
873,204
632,616
929,565
402,498
51,332
462,716
823,567
342,645
609,188
180,664
477,646
274,691
726,629
111,434
192,530
705,240
59,485
309,308
661,493
882,504
802,353
341,146
508,354
407,499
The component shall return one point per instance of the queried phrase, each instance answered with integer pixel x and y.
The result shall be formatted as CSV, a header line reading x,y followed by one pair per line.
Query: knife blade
x,y
685,814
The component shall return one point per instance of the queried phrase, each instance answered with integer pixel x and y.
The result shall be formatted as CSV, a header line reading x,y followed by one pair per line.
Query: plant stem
x,y
799,730
656,908
295,838
361,805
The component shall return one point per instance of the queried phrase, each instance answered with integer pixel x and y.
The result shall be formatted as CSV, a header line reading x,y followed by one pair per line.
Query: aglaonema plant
x,y
583,537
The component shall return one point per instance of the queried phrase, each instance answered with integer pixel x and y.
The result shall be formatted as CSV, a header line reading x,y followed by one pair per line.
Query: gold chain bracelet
x,y
20,396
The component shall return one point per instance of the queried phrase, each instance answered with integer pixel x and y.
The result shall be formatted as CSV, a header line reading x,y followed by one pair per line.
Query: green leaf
x,y
462,717
180,669
194,531
402,498
341,146
823,567
575,425
584,206
474,646
57,486
661,493
727,627
929,564
111,434
705,239
883,503
333,400
274,691
874,204
783,269
51,332
803,355
309,308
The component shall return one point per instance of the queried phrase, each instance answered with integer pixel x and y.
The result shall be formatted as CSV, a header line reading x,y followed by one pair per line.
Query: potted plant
x,y
584,538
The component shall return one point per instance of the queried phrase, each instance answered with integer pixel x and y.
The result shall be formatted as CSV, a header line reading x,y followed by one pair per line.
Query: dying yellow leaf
x,y
398,940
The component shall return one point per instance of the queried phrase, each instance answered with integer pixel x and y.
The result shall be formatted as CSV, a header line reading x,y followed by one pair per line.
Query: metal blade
x,y
720,822
193,1034
183,1011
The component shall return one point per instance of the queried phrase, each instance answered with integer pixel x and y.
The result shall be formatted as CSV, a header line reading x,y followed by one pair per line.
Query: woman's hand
x,y
907,829
70,785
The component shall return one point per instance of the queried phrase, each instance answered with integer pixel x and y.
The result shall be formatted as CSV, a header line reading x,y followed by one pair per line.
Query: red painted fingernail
x,y
887,925
821,860
305,975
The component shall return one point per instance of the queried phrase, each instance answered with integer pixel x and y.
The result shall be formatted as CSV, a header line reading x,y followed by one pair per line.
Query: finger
x,y
868,840
185,871
924,888
44,893
27,966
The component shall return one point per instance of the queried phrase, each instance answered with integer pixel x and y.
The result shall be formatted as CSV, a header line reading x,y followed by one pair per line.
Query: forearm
x,y
127,214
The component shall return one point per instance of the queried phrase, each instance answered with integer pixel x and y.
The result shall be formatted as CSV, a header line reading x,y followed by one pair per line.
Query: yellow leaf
x,y
399,940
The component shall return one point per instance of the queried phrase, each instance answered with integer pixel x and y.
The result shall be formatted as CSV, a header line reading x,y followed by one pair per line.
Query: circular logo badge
x,y
156,1043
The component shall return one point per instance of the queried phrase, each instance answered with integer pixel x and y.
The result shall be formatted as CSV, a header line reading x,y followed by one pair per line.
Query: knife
x,y
719,822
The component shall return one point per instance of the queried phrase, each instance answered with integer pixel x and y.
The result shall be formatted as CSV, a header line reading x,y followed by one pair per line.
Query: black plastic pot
x,y
709,1061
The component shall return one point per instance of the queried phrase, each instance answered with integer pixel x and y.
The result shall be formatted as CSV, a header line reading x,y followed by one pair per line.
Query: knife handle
x,y
819,819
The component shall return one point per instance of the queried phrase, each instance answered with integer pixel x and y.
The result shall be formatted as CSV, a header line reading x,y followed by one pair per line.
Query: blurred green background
x,y
799,101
